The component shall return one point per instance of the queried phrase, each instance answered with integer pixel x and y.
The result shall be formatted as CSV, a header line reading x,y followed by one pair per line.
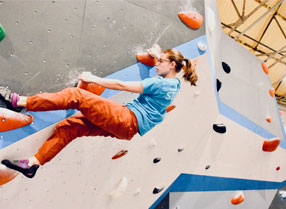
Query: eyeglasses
x,y
160,60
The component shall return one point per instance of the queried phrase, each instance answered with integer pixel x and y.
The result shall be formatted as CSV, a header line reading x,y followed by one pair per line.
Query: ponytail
x,y
190,72
187,65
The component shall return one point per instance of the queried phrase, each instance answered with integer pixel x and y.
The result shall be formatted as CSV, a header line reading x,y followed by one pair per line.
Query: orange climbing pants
x,y
98,117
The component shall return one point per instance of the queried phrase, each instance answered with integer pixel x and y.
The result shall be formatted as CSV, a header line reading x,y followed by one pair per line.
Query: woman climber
x,y
103,117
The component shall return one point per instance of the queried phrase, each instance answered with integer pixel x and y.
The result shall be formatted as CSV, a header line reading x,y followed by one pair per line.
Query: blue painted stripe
x,y
134,72
244,121
195,183
283,141
201,183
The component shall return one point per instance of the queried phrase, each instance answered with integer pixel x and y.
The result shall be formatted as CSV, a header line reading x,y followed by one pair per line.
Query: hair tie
x,y
185,60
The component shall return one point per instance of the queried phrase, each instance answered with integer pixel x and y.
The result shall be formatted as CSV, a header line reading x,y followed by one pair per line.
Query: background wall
x,y
49,42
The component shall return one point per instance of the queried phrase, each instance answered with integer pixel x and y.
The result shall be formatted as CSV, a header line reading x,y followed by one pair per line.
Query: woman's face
x,y
164,66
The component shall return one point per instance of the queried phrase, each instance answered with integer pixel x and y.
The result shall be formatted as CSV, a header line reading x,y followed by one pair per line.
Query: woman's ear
x,y
173,64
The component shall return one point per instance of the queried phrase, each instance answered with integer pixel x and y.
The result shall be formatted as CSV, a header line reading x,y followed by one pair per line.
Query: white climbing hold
x,y
202,46
211,19
137,192
282,195
119,189
153,143
197,93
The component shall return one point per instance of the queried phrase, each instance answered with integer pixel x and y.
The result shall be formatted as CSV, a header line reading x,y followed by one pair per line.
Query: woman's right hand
x,y
87,77
195,63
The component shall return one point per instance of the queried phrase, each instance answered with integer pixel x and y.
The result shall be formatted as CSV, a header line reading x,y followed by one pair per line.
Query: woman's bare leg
x,y
22,101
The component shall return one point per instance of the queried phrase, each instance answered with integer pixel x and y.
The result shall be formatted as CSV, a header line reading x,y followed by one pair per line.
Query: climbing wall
x,y
207,150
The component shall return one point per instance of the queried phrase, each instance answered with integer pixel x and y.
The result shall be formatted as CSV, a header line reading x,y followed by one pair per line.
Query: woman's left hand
x,y
155,51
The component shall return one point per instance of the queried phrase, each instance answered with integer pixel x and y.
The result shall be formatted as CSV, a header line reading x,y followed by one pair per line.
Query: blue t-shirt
x,y
150,106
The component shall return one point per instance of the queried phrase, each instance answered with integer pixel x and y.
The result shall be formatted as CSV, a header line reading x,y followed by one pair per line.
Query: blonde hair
x,y
183,63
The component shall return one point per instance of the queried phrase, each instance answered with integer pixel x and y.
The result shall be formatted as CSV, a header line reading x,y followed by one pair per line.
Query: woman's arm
x,y
131,86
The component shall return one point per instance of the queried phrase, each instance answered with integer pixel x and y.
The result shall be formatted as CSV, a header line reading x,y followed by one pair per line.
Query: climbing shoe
x,y
22,166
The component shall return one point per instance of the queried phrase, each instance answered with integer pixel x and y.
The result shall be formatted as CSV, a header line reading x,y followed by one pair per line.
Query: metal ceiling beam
x,y
280,82
243,8
244,18
237,12
279,60
273,54
280,99
261,4
257,50
267,26
283,95
252,39
267,7
251,47
281,29
259,19
276,60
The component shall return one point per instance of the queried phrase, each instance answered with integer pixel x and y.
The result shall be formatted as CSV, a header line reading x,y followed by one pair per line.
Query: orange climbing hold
x,y
120,154
265,68
91,87
6,174
170,108
146,59
10,120
269,119
272,92
192,19
237,199
270,145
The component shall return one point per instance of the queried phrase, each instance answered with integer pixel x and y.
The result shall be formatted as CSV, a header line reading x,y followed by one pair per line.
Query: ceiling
x,y
260,26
